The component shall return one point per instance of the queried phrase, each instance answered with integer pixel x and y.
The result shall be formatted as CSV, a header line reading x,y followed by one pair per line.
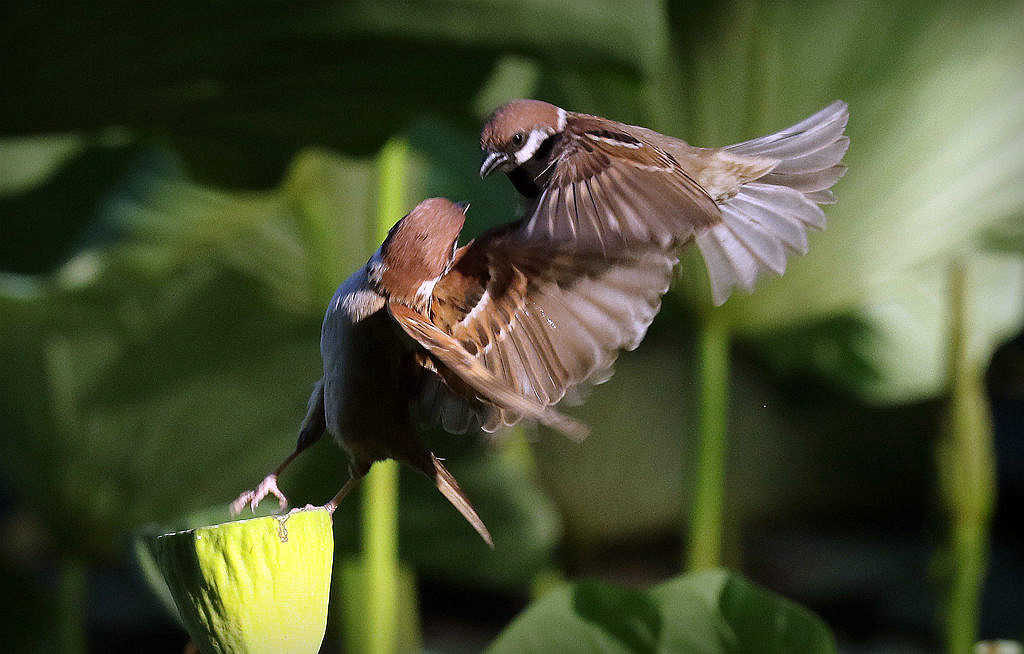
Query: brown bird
x,y
611,186
480,336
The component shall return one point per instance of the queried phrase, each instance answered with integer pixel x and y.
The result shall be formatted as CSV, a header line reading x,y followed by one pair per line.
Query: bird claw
x,y
254,496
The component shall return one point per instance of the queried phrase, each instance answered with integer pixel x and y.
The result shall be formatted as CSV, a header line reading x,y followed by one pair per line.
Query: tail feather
x,y
813,133
768,217
450,488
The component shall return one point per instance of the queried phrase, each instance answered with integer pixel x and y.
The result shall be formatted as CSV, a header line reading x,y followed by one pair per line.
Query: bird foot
x,y
253,497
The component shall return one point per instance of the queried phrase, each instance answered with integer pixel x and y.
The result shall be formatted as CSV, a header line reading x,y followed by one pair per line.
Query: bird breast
x,y
363,353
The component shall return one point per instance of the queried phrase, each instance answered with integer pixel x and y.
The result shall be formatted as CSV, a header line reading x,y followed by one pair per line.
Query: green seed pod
x,y
256,586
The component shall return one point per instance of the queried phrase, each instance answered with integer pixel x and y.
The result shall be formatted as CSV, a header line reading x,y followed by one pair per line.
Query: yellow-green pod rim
x,y
258,586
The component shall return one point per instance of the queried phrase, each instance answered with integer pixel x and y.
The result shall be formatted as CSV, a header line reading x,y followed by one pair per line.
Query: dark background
x,y
182,186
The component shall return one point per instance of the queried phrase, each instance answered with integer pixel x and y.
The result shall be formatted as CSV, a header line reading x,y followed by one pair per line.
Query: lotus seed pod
x,y
258,586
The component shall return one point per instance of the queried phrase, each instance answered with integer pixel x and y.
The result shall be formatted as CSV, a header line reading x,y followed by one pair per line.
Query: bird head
x,y
516,131
418,251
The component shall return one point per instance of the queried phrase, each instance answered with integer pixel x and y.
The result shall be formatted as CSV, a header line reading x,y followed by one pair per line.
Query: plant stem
x,y
666,85
967,471
392,164
705,546
380,558
380,488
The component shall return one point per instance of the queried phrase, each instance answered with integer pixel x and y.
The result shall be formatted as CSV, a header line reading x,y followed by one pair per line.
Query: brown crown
x,y
419,246
516,116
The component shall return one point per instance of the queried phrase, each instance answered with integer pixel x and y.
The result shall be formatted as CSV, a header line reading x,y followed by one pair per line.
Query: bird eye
x,y
518,139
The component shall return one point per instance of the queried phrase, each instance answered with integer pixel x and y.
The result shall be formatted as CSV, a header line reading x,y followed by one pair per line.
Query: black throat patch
x,y
532,176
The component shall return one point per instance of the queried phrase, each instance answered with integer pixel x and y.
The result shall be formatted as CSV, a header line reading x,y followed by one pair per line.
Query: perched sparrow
x,y
611,186
478,336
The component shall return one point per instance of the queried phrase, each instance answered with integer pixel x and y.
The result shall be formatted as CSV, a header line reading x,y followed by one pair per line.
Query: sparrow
x,y
478,336
611,186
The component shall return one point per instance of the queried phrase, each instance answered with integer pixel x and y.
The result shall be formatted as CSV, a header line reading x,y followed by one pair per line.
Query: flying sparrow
x,y
611,186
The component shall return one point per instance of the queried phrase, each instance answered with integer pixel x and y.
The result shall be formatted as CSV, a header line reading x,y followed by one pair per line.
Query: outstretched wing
x,y
541,320
646,199
544,305
454,356
748,206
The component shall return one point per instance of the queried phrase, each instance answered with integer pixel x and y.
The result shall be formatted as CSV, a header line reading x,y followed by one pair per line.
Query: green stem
x,y
967,470
71,595
666,87
380,558
392,164
380,488
705,547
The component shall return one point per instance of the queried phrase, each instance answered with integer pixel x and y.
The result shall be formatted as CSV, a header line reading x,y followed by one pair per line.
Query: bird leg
x,y
268,486
352,482
357,469
312,429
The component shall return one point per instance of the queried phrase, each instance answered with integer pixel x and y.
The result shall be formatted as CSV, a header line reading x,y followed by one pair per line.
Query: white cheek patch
x,y
526,152
561,119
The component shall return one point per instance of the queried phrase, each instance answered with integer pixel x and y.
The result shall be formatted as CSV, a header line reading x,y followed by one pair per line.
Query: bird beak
x,y
492,161
463,205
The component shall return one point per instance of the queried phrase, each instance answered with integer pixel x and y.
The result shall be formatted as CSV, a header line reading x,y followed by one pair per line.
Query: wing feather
x,y
765,218
470,370
548,321
609,208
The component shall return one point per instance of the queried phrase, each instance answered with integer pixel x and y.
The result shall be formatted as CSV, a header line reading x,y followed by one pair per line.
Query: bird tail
x,y
768,217
450,488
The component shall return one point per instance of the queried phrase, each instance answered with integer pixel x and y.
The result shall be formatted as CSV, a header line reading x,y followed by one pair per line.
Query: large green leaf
x,y
713,612
935,161
52,189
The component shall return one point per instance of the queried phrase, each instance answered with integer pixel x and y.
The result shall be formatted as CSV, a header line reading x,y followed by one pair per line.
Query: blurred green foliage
x,y
710,612
182,186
